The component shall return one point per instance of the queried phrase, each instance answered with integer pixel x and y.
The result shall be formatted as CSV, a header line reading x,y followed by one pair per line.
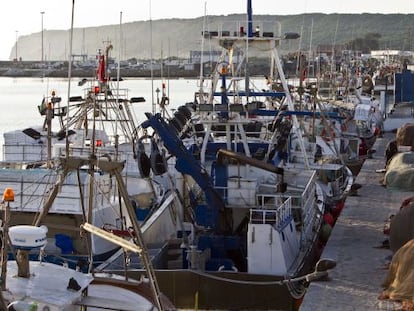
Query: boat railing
x,y
305,211
276,217
239,29
309,192
33,186
24,152
246,110
243,128
108,94
308,201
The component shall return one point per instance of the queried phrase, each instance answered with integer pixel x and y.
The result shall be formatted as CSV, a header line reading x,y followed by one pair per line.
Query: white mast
x,y
154,106
69,75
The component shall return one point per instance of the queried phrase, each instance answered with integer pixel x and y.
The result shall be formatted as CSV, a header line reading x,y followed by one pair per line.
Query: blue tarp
x,y
404,87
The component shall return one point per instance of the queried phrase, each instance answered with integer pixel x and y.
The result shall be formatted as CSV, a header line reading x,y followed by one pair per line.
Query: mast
x,y
118,77
8,196
201,90
250,35
69,75
249,19
49,116
154,106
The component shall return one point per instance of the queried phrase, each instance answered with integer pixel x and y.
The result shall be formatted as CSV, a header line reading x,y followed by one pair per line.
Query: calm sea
x,y
19,97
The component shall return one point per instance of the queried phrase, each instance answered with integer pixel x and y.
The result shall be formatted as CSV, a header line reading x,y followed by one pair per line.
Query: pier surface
x,y
355,243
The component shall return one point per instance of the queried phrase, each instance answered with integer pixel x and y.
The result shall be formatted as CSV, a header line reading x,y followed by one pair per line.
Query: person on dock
x,y
400,225
399,282
390,151
398,285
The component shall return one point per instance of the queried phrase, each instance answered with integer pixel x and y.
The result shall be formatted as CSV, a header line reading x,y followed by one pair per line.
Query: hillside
x,y
176,37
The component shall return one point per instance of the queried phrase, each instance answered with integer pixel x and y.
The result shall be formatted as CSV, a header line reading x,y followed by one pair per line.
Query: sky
x,y
24,17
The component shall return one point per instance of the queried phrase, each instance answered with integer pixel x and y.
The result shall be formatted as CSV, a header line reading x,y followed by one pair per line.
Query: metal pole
x,y
16,45
69,76
249,19
5,245
42,13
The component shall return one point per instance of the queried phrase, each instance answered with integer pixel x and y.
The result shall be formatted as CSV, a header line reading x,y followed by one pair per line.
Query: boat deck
x,y
356,240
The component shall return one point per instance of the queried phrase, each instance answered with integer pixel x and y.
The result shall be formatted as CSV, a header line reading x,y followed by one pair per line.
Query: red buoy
x,y
328,219
336,211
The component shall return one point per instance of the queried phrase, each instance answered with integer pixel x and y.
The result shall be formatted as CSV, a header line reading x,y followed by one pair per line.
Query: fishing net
x,y
400,172
405,135
401,228
399,283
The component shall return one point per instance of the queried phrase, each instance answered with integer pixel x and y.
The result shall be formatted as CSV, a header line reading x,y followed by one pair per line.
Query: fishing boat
x,y
251,227
364,109
86,212
99,124
62,276
38,285
352,132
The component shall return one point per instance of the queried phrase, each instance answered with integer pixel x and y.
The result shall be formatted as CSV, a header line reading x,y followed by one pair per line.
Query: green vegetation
x,y
177,37
362,31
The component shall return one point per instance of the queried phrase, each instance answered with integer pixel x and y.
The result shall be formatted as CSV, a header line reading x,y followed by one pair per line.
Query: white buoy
x,y
28,237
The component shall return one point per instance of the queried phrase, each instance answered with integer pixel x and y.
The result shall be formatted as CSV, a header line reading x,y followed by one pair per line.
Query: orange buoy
x,y
8,195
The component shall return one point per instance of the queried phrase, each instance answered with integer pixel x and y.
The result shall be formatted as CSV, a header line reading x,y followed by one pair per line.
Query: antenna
x,y
249,18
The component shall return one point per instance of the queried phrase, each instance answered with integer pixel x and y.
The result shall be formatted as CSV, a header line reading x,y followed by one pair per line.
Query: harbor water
x,y
20,97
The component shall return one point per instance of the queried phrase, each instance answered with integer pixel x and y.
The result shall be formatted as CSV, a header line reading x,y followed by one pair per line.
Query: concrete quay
x,y
355,282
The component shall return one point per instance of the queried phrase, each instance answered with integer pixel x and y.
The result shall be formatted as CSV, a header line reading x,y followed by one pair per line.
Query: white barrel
x,y
28,237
